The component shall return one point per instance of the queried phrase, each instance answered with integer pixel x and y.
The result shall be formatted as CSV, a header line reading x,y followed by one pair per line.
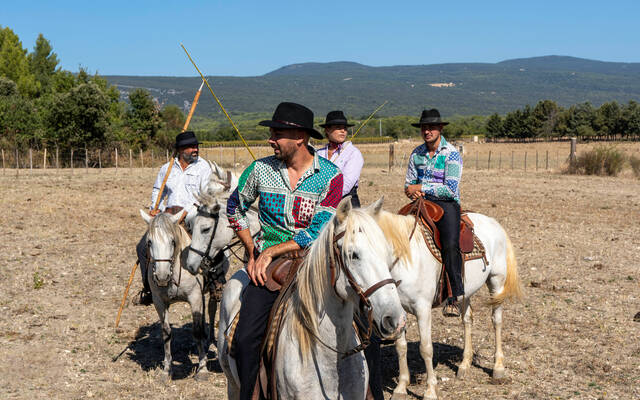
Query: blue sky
x,y
246,38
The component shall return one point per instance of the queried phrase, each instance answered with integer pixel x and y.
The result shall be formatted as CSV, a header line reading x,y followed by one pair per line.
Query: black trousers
x,y
449,227
250,331
141,249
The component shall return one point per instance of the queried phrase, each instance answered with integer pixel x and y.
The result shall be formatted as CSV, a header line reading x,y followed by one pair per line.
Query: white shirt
x,y
182,185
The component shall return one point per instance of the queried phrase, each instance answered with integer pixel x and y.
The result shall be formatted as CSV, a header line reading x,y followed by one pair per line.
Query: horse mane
x,y
161,228
397,229
313,282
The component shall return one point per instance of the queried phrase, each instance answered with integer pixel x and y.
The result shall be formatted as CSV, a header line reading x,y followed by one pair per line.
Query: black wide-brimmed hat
x,y
292,116
335,118
430,117
186,138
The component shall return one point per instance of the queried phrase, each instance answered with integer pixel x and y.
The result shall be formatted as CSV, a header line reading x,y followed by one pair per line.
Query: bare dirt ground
x,y
68,248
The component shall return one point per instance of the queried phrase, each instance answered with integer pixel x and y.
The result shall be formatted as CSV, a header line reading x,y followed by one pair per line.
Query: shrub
x,y
635,165
603,160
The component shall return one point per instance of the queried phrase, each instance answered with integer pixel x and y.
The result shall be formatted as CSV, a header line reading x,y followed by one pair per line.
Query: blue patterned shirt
x,y
286,213
439,175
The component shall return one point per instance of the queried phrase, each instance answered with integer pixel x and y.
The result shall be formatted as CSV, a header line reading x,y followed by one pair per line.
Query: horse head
x,y
162,246
210,231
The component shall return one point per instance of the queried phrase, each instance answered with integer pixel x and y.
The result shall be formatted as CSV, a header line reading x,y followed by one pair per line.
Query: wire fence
x,y
486,156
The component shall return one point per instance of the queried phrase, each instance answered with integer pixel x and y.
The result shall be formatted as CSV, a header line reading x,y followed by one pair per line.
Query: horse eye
x,y
355,256
206,230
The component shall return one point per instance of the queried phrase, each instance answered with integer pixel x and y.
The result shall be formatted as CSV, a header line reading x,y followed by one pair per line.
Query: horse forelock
x,y
397,229
162,229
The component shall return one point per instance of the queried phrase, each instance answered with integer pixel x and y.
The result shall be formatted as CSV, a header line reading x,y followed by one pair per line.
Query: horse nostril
x,y
388,326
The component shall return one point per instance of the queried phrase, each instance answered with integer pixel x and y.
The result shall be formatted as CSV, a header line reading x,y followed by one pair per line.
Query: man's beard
x,y
190,158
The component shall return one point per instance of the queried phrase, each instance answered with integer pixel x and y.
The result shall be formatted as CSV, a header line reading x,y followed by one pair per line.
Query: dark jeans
x,y
449,227
141,249
373,354
250,331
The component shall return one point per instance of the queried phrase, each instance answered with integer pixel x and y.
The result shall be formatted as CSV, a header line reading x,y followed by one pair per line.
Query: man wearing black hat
x,y
343,153
434,172
188,173
299,192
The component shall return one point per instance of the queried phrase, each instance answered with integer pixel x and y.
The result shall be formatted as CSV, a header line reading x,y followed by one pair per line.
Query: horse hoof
x,y
399,396
163,376
499,374
462,373
430,394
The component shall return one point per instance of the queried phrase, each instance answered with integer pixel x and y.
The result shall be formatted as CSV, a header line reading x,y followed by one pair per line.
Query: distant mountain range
x,y
458,88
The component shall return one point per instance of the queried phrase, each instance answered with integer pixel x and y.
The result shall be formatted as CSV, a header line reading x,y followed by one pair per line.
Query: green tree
x,y
15,65
43,62
142,118
493,127
544,118
607,119
79,117
630,123
8,87
19,122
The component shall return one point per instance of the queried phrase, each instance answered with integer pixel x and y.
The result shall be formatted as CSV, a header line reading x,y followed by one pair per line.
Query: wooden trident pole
x,y
367,120
157,204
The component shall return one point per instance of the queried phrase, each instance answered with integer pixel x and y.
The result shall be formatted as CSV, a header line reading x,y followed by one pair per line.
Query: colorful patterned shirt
x,y
286,213
439,175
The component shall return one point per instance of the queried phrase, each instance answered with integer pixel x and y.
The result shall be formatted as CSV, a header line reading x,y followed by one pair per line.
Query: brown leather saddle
x,y
430,213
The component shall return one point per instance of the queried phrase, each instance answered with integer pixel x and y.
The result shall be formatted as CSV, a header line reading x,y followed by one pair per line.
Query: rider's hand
x,y
154,212
260,268
251,267
414,191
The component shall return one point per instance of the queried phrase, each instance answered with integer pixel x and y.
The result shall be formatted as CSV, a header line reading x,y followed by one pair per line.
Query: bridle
x,y
362,294
152,261
207,260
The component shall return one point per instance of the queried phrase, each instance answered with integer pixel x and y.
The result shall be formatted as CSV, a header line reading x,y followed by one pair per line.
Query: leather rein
x,y
362,294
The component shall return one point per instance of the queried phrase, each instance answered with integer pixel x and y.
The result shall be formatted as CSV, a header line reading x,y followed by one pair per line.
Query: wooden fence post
x,y
17,163
57,160
391,156
30,160
86,160
116,160
489,161
4,171
44,159
99,161
547,163
572,154
141,158
525,161
130,160
72,161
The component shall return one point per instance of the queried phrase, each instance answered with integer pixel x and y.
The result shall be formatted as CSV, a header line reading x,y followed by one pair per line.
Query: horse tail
x,y
512,287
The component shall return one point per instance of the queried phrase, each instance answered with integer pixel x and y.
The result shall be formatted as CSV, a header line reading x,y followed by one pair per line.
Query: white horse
x,y
171,283
211,233
318,321
419,272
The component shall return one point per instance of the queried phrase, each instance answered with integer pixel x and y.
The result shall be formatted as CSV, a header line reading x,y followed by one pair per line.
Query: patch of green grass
x,y
38,280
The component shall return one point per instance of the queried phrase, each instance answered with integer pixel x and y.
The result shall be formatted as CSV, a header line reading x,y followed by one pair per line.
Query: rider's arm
x,y
351,171
325,209
241,199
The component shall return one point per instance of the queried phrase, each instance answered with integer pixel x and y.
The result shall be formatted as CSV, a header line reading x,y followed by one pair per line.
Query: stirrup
x,y
451,308
143,298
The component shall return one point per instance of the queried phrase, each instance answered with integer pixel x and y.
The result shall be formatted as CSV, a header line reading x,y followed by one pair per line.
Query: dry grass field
x,y
68,247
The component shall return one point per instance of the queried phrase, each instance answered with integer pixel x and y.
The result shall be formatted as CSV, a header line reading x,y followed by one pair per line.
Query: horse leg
x,y
400,392
426,351
197,312
498,366
467,355
163,313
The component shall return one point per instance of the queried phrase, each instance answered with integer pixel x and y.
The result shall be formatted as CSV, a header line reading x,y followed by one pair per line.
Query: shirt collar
x,y
315,167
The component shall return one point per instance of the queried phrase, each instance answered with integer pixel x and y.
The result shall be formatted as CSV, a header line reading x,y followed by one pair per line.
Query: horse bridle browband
x,y
152,261
363,294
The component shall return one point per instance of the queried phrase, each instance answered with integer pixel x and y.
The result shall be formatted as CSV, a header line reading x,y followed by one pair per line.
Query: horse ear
x,y
146,217
215,169
343,209
375,208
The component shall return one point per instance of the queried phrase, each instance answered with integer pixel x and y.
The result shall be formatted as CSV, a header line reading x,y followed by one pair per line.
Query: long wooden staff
x,y
370,116
218,101
157,204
